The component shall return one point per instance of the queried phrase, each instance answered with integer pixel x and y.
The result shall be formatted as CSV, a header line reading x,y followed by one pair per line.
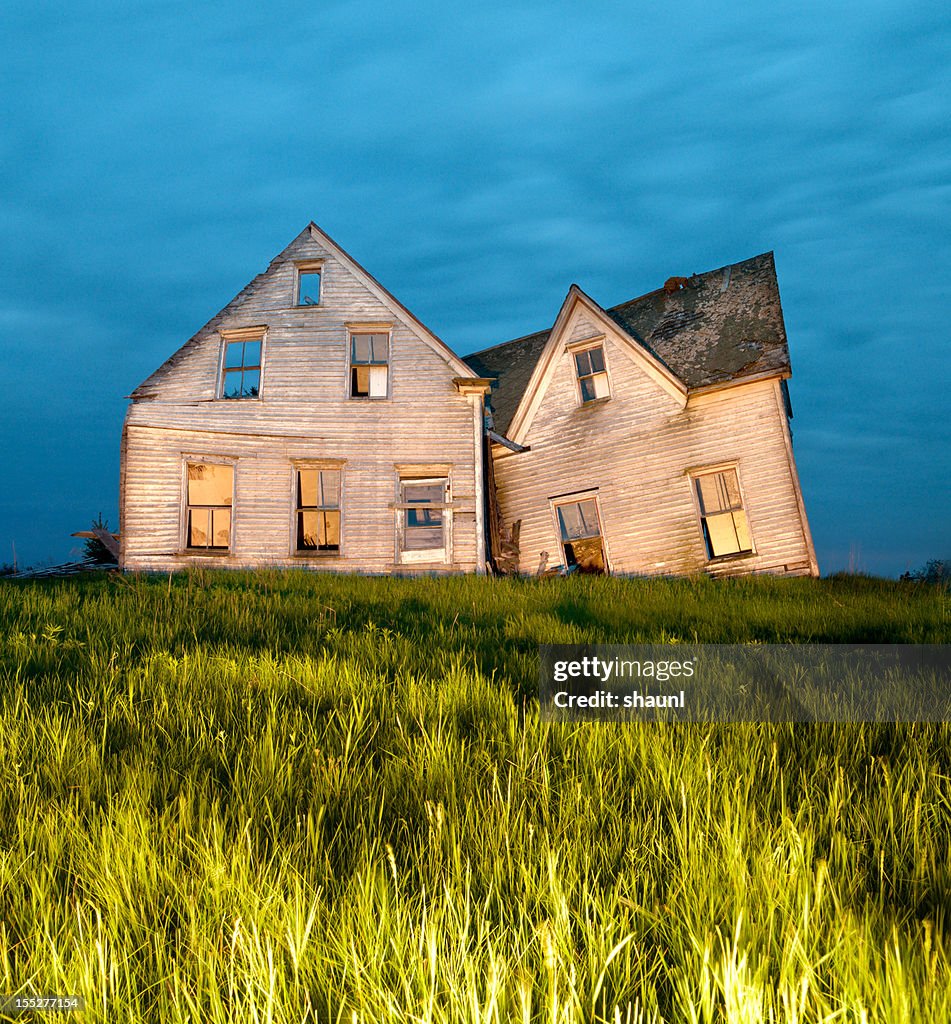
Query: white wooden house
x,y
316,422
313,422
652,437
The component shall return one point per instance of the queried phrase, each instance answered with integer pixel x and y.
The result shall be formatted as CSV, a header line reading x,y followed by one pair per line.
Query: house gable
x,y
269,301
582,321
711,330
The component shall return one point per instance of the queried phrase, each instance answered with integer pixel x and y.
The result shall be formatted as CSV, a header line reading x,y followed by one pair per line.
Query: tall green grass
x,y
281,797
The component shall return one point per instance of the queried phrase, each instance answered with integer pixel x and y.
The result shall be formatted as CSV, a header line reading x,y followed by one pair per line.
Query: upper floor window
x,y
369,365
722,517
308,285
208,502
242,363
592,374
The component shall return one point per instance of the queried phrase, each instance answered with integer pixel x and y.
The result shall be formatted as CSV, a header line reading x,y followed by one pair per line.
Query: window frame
x,y
430,556
576,498
241,335
320,466
581,348
357,330
186,547
694,476
309,267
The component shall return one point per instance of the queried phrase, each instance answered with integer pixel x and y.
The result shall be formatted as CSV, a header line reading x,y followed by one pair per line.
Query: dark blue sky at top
x,y
477,159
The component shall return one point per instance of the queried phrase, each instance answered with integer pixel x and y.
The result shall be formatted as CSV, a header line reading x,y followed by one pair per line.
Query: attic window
x,y
308,286
592,374
369,365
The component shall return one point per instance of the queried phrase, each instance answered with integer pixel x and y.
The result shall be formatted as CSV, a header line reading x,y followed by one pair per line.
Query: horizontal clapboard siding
x,y
303,413
636,449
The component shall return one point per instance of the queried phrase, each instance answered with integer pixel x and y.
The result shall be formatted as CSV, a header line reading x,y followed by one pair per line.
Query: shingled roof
x,y
713,328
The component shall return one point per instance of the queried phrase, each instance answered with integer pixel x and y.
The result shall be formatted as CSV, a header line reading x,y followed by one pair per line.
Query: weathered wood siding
x,y
303,413
637,449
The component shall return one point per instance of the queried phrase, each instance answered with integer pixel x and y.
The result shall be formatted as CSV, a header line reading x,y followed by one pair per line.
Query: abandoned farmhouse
x,y
315,422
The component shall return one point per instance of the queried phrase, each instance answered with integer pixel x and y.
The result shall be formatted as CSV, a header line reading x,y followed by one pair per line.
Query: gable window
x,y
579,528
318,510
369,365
424,517
592,374
242,363
209,498
722,517
308,285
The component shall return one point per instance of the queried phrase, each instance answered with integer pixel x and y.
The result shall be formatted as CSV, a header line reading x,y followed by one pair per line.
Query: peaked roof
x,y
710,329
311,231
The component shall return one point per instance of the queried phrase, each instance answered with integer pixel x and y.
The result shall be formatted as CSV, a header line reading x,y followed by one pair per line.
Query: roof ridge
x,y
619,305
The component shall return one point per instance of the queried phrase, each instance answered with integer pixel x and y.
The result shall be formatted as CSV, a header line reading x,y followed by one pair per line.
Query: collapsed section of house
x,y
316,422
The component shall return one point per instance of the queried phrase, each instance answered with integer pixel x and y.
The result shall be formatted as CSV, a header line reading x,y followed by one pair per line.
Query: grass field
x,y
286,797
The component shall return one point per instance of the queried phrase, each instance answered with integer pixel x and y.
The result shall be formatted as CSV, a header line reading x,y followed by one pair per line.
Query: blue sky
x,y
477,160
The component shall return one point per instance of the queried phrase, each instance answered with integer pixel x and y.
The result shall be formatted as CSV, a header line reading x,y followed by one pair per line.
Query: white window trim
x,y
435,556
573,498
241,334
577,347
308,267
296,465
370,328
217,460
720,467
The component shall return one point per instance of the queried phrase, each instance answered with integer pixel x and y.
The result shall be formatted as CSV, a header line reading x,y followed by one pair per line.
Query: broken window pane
x,y
579,519
423,493
308,288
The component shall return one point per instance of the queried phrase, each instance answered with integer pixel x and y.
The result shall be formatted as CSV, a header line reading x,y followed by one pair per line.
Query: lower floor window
x,y
209,500
318,510
424,520
580,533
722,517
